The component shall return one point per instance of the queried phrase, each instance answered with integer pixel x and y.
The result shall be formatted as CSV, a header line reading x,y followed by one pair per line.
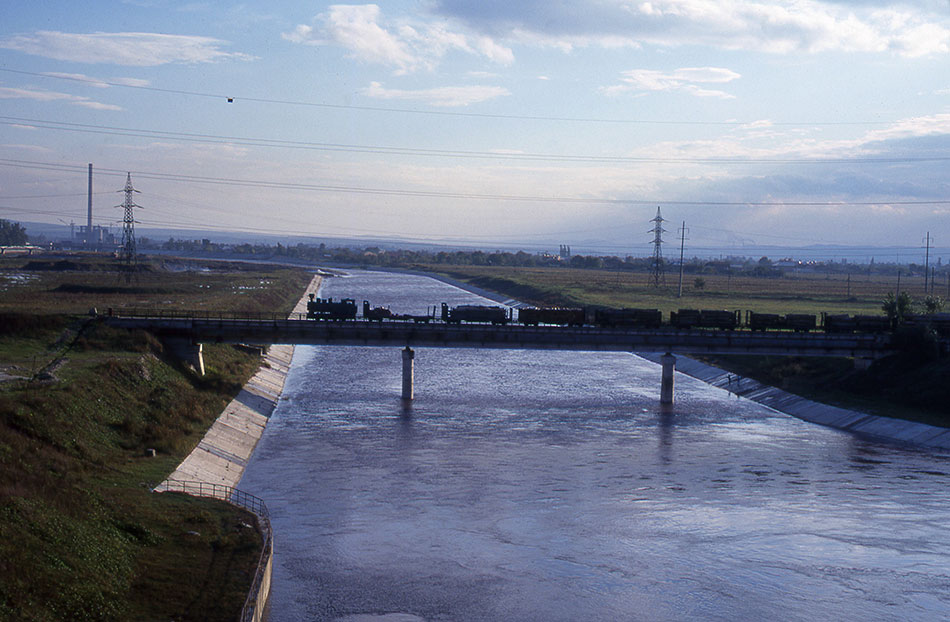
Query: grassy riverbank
x,y
81,538
911,385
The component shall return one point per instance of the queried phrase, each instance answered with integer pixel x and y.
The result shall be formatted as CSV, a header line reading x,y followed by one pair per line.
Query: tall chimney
x,y
89,211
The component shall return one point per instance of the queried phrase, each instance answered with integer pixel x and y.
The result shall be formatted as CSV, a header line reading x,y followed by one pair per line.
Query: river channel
x,y
534,485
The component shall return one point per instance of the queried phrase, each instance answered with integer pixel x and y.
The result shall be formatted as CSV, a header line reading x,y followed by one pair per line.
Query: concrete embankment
x,y
832,416
223,453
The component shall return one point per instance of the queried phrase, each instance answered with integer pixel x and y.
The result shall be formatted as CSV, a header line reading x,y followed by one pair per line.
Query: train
x,y
631,318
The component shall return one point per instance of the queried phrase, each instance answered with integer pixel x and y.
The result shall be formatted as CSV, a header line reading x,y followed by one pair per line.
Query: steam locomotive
x,y
346,309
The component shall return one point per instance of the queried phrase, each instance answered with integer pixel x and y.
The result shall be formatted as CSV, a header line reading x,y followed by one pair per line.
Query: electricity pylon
x,y
656,265
129,254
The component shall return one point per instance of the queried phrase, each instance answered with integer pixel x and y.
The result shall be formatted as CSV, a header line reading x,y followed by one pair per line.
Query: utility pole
x,y
683,231
128,229
657,264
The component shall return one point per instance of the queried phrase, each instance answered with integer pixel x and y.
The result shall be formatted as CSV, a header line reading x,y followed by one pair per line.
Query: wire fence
x,y
234,496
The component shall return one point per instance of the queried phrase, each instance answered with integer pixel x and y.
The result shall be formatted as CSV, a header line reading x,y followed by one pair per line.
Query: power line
x,y
343,189
441,153
233,97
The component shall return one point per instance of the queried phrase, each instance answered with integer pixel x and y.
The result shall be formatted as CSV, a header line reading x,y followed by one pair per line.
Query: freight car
x,y
376,314
475,313
631,318
705,318
937,322
327,309
532,316
798,322
839,323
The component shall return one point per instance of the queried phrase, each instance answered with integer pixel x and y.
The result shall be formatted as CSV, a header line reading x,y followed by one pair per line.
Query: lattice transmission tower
x,y
129,255
657,275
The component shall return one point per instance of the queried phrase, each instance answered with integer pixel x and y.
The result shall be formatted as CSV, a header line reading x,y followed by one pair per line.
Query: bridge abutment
x,y
408,357
190,353
668,361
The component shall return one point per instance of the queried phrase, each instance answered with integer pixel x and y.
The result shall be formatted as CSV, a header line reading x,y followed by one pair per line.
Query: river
x,y
534,485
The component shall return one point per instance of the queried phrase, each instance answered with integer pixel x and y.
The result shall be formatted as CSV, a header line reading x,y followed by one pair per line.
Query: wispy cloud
x,y
764,26
406,45
134,49
685,80
99,83
440,96
51,96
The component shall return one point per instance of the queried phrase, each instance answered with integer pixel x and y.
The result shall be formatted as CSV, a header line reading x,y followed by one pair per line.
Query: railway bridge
x,y
185,332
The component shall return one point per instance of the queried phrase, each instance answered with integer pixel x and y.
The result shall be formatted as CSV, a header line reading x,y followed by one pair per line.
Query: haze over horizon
x,y
486,122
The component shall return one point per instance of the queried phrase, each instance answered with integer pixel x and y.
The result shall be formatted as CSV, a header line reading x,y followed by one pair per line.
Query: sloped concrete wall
x,y
808,410
223,453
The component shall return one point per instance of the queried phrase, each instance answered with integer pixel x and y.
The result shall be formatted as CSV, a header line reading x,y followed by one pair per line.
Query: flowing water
x,y
534,485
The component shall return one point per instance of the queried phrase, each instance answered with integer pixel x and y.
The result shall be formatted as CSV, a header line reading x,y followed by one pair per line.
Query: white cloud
x,y
914,127
50,96
765,25
405,45
136,49
440,96
685,80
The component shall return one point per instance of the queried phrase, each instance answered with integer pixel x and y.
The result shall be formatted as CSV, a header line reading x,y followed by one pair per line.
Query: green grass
x,y
81,537
575,287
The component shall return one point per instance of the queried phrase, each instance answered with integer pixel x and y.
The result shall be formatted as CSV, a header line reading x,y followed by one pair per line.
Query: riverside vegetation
x,y
909,385
81,536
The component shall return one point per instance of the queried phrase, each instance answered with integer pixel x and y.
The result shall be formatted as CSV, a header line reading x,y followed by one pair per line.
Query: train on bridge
x,y
715,319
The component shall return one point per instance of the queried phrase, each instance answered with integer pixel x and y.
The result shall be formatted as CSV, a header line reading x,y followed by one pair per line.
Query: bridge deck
x,y
441,335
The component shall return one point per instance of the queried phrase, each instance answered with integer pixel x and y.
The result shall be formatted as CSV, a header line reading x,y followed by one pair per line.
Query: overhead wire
x,y
257,183
233,97
245,141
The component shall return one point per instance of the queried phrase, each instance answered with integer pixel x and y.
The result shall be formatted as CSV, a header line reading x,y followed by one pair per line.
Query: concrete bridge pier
x,y
407,373
666,383
188,352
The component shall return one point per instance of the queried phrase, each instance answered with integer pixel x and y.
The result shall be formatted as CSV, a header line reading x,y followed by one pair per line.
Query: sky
x,y
486,122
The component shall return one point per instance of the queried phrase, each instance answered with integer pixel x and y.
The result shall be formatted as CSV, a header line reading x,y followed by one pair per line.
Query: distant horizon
x,y
816,252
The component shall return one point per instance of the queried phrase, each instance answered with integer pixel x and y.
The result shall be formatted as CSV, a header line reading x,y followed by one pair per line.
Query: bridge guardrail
x,y
244,500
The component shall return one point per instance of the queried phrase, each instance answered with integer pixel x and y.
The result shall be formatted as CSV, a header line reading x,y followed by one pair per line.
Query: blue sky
x,y
486,121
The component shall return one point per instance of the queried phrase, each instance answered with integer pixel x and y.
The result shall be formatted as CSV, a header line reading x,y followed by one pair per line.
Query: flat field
x,y
76,284
797,293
